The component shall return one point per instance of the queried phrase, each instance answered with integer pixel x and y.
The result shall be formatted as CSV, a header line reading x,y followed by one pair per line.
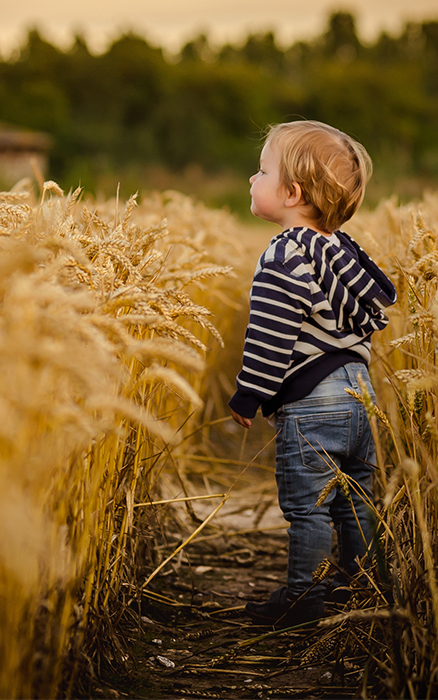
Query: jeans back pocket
x,y
323,437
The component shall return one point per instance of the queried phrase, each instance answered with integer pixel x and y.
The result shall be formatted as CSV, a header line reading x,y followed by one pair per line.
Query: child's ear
x,y
294,196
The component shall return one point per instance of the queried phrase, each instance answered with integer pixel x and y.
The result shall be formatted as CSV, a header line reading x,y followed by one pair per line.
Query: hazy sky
x,y
170,22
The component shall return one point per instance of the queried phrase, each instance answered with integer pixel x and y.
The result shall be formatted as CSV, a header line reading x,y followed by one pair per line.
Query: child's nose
x,y
251,179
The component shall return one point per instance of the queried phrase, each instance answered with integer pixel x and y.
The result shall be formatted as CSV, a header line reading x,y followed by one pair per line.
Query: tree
x,y
341,40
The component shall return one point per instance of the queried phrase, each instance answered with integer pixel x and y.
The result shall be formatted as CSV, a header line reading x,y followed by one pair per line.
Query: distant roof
x,y
15,139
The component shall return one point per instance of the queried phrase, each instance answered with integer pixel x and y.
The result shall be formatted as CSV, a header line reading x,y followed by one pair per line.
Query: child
x,y
316,299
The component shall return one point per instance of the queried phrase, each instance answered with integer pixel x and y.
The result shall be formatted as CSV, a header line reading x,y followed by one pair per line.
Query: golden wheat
x,y
106,347
405,376
94,328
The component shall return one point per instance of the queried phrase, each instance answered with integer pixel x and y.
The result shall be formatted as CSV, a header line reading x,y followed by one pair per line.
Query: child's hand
x,y
245,422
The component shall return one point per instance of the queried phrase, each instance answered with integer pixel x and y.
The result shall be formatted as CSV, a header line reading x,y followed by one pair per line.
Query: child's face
x,y
268,194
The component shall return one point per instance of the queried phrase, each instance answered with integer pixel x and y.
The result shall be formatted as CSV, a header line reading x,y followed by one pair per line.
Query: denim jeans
x,y
327,427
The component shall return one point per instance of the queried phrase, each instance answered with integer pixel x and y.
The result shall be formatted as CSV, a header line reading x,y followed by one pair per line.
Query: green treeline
x,y
133,106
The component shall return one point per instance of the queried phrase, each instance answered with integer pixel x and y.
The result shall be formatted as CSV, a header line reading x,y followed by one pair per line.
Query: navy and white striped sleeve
x,y
280,300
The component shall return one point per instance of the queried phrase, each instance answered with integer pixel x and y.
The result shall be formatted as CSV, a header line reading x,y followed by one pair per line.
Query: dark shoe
x,y
339,595
281,611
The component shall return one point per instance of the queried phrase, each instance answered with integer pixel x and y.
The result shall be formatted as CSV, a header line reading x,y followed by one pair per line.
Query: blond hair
x,y
331,168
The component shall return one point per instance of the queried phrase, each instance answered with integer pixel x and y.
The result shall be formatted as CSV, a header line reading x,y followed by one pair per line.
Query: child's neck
x,y
298,217
304,222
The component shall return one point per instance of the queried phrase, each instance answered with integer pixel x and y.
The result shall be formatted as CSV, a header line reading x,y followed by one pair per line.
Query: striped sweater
x,y
315,302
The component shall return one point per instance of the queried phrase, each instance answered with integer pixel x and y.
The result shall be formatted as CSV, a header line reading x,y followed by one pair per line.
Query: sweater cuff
x,y
245,405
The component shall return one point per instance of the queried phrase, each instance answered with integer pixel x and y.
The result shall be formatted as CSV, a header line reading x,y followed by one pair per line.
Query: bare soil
x,y
189,636
198,643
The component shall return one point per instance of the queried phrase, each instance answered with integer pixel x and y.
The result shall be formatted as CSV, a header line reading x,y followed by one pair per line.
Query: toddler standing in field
x,y
316,299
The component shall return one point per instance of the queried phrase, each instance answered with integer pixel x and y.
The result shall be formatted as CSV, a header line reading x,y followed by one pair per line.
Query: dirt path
x,y
198,643
190,637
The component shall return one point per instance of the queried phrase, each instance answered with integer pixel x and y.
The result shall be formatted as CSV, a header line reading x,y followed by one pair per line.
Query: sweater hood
x,y
358,291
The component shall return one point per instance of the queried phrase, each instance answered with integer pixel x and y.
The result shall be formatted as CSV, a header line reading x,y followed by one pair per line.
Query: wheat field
x,y
105,342
399,634
118,347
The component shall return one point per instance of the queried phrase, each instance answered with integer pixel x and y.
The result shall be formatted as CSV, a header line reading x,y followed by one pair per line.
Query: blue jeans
x,y
330,421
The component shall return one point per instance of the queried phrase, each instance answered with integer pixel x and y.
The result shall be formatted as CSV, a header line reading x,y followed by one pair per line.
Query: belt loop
x,y
350,374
